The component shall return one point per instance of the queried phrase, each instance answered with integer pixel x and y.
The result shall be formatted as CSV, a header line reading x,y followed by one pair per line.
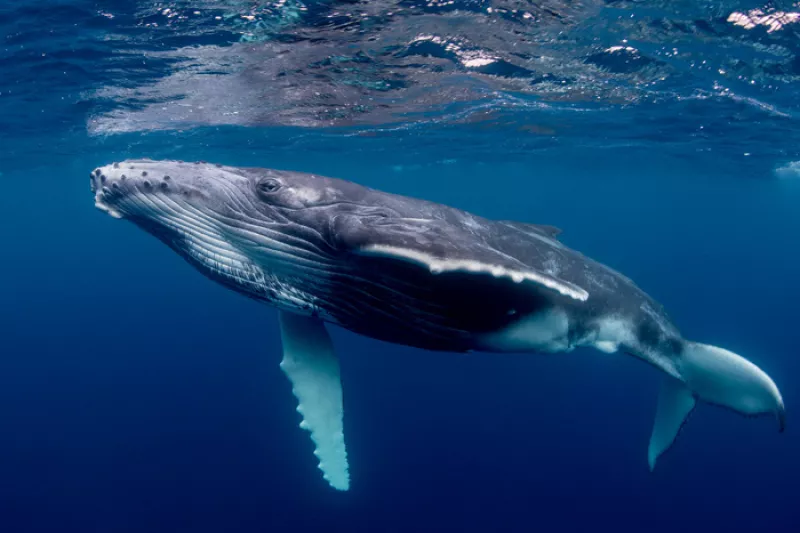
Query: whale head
x,y
254,230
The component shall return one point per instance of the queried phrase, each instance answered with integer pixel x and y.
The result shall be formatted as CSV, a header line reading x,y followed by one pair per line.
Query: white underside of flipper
x,y
311,365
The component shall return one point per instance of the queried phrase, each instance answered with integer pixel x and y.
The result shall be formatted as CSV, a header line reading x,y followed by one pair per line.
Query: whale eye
x,y
268,186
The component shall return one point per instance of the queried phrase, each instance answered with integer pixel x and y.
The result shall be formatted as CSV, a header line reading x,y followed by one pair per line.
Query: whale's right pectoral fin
x,y
675,402
311,365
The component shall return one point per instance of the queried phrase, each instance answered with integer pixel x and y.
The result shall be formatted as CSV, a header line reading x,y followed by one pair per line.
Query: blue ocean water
x,y
136,395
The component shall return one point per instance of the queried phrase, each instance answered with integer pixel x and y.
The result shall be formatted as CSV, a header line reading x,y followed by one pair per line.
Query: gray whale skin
x,y
407,271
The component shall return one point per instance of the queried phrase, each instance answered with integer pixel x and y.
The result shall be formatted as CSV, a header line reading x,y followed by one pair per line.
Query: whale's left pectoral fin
x,y
446,248
675,402
311,365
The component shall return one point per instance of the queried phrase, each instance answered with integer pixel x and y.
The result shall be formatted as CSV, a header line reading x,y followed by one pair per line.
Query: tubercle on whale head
x,y
199,210
128,188
240,226
215,186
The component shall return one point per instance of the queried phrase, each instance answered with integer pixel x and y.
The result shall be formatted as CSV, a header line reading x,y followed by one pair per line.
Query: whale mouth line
x,y
113,184
192,234
100,203
224,244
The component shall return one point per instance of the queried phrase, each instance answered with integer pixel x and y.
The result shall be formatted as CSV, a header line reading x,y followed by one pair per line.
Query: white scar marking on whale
x,y
307,194
611,332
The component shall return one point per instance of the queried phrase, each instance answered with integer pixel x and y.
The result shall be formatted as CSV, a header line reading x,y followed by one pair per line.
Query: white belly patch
x,y
611,332
547,331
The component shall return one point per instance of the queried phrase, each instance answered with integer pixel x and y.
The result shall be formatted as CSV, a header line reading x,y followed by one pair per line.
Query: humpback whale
x,y
412,272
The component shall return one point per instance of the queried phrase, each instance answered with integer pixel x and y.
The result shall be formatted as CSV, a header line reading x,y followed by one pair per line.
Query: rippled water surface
x,y
693,76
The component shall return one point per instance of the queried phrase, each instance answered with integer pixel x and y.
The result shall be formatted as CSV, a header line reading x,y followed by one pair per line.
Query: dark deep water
x,y
137,396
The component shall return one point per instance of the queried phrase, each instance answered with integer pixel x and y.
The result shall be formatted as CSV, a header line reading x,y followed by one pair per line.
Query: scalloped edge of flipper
x,y
439,266
310,363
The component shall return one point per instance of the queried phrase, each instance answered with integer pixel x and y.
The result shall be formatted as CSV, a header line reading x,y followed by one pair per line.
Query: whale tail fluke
x,y
713,375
